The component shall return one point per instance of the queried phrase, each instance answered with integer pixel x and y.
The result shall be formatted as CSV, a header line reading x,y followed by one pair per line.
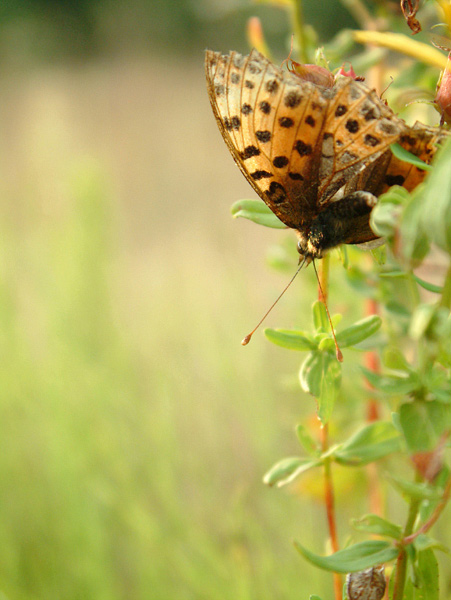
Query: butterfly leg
x,y
345,221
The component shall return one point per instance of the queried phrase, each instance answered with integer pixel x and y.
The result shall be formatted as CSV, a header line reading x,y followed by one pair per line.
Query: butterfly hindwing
x,y
358,130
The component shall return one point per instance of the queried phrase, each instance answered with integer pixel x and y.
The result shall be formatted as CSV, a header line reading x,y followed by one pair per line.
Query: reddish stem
x,y
330,507
433,518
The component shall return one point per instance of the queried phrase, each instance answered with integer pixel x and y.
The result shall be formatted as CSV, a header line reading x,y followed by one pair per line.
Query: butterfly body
x,y
317,156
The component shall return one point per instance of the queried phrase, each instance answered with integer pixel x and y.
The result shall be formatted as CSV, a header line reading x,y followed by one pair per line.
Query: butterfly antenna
x,y
338,353
245,341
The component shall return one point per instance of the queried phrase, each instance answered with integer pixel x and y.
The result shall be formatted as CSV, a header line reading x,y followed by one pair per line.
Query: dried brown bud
x,y
366,585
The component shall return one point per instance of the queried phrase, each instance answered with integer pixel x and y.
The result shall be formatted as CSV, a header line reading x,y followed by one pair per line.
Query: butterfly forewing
x,y
272,122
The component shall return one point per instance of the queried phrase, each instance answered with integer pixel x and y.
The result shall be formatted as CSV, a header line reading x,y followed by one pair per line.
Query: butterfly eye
x,y
300,248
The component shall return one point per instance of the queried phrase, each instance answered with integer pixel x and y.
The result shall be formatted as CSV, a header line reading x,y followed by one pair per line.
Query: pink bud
x,y
350,73
443,95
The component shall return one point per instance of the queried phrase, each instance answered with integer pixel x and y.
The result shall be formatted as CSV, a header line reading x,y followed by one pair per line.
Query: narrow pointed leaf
x,y
369,444
288,469
430,287
419,491
355,558
329,388
359,331
320,320
377,525
311,373
408,157
428,576
436,197
306,440
392,384
418,432
290,339
256,211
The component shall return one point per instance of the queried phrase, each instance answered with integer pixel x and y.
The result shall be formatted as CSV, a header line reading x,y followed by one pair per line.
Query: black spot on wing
x,y
303,148
249,152
394,179
280,162
286,122
272,86
263,136
232,123
371,140
257,175
276,193
292,99
352,125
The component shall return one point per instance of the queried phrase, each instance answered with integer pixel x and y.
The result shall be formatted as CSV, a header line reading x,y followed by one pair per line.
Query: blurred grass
x,y
135,428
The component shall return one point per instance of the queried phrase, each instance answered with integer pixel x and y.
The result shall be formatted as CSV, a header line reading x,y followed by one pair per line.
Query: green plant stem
x,y
360,13
401,562
329,499
297,18
445,299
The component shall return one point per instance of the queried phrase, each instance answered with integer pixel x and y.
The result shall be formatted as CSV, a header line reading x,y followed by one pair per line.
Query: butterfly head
x,y
310,246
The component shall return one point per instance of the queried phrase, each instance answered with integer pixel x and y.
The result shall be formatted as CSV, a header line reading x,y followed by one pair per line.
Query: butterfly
x,y
317,156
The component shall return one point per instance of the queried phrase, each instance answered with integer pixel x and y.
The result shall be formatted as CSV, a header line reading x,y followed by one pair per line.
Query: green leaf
x,y
311,373
392,384
384,219
395,360
408,157
415,240
377,525
287,469
314,597
416,427
290,339
355,558
409,489
360,281
424,542
369,444
421,319
430,287
394,274
359,331
320,320
306,440
428,576
330,387
437,200
422,423
256,211
439,416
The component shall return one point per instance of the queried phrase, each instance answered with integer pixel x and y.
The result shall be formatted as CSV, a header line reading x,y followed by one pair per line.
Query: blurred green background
x,y
135,429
